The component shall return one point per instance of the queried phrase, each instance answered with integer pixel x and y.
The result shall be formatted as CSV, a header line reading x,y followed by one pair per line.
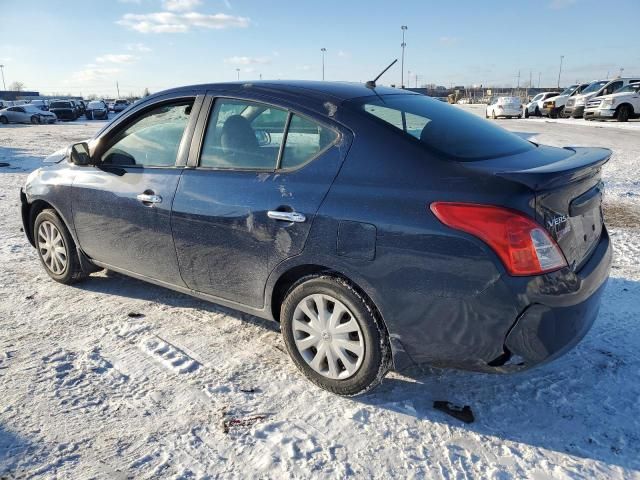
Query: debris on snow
x,y
461,413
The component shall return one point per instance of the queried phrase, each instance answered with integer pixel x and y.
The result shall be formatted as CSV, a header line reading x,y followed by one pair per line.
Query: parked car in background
x,y
64,109
26,114
5,104
81,106
97,110
575,106
534,107
507,107
621,105
553,107
120,105
41,104
473,248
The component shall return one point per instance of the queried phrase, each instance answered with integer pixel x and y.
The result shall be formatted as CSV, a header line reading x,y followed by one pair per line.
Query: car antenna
x,y
372,83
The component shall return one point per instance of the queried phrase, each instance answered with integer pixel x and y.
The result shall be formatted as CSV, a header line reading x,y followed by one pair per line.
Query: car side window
x,y
153,139
305,139
243,135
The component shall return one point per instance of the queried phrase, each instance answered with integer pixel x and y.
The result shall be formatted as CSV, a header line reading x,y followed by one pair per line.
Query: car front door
x,y
259,178
122,204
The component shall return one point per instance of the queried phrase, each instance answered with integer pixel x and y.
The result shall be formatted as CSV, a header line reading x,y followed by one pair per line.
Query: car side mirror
x,y
79,154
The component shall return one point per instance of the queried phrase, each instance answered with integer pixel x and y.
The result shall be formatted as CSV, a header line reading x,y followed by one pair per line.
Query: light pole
x,y
323,50
403,44
621,70
560,72
238,72
4,87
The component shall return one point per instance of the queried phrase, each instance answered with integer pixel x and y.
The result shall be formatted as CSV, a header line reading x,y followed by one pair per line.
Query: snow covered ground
x,y
114,378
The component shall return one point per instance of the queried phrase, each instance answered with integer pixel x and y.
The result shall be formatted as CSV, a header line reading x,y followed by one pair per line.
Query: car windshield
x,y
444,128
569,90
121,101
95,105
60,105
594,87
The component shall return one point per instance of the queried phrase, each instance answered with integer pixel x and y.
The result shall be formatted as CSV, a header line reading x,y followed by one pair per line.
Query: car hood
x,y
556,98
57,156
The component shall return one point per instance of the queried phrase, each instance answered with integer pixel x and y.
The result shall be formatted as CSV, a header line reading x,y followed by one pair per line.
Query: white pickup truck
x,y
553,107
576,105
621,105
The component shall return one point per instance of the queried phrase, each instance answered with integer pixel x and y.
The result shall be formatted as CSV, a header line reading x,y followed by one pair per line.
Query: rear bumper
x,y
515,324
555,323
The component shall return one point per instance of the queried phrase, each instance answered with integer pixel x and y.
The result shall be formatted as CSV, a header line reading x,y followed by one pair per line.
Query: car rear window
x,y
60,105
444,128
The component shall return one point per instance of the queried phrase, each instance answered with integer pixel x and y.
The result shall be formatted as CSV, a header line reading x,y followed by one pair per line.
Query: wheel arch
x,y
626,104
287,278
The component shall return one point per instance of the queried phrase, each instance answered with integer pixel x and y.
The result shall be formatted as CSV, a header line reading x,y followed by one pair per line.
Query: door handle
x,y
149,198
286,216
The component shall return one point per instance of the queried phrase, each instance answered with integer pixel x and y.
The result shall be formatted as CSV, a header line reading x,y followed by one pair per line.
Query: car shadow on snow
x,y
12,450
120,285
584,404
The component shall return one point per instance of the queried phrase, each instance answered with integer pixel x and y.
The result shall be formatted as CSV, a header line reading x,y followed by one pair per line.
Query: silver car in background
x,y
26,114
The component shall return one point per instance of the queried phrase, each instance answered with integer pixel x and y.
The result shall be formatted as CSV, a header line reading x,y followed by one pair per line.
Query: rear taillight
x,y
524,247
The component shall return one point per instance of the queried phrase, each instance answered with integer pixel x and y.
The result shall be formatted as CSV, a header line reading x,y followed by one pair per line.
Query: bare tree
x,y
146,92
16,87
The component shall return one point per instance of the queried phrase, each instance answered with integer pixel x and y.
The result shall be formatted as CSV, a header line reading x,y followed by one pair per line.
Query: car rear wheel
x,y
4,120
56,248
334,336
493,114
623,113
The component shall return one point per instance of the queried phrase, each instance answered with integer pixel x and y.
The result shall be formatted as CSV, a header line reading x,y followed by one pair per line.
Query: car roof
x,y
339,91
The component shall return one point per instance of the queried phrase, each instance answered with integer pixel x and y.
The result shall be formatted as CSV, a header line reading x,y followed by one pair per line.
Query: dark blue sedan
x,y
381,228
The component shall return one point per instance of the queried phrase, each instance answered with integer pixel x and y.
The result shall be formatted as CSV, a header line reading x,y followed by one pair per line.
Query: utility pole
x,y
530,82
3,84
323,50
621,70
560,71
403,44
118,88
539,73
260,76
238,73
518,87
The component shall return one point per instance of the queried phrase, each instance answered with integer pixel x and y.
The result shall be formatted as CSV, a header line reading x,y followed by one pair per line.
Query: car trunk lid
x,y
568,191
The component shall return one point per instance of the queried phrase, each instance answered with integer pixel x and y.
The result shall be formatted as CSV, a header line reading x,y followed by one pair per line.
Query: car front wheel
x,y
35,119
56,248
623,113
334,336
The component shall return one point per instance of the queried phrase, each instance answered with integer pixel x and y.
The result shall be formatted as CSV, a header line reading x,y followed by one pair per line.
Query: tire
x,y
89,116
367,334
493,114
35,120
4,120
519,116
526,113
623,113
537,112
65,267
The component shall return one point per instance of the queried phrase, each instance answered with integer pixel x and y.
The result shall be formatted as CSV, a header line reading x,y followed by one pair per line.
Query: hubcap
x,y
328,336
52,248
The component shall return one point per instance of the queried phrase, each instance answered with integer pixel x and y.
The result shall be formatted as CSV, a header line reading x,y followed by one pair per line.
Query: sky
x,y
86,46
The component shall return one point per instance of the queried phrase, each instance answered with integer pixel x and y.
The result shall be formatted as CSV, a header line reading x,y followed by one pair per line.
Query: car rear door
x,y
122,205
245,206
